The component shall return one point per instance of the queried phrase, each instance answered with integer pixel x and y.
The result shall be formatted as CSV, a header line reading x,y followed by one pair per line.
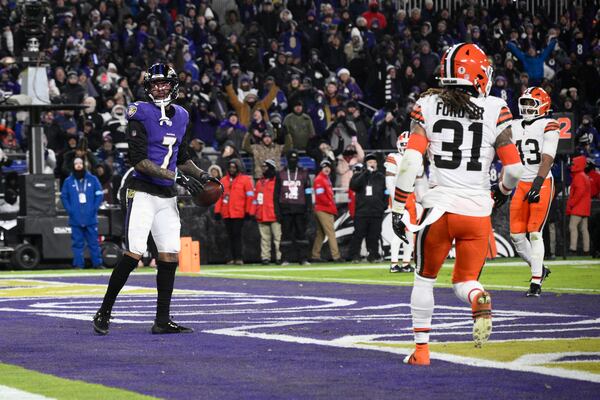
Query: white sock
x,y
522,245
537,256
407,248
421,307
465,291
395,249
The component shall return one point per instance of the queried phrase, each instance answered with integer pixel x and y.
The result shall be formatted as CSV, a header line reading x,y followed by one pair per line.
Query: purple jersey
x,y
163,140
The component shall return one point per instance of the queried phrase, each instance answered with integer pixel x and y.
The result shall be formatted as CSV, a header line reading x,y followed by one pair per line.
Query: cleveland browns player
x,y
536,136
158,152
392,162
460,128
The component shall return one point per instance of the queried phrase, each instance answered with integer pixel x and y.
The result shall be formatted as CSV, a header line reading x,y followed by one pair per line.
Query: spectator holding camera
x,y
325,212
369,186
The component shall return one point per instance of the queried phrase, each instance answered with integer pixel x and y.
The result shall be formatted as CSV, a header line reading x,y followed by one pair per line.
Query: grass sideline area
x,y
64,389
576,275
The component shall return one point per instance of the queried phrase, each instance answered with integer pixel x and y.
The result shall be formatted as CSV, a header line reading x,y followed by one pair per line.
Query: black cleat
x,y
101,322
395,269
535,290
407,268
545,272
169,327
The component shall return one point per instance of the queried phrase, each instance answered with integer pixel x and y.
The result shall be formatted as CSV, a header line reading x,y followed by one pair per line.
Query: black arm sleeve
x,y
138,142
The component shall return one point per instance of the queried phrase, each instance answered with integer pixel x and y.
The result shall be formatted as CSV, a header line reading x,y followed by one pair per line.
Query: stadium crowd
x,y
330,83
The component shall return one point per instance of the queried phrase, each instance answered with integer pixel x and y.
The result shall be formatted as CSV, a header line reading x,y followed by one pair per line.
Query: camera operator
x,y
368,184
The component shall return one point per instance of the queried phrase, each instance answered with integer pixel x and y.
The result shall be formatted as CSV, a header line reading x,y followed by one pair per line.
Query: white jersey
x,y
533,140
392,167
460,153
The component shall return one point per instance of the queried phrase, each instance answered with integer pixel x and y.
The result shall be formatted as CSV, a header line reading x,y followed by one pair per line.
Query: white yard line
x,y
245,331
12,393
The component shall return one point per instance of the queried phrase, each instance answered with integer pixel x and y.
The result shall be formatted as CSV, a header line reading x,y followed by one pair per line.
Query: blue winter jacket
x,y
534,66
82,214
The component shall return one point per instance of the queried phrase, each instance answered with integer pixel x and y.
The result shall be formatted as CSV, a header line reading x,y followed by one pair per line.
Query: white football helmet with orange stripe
x,y
534,103
465,64
402,142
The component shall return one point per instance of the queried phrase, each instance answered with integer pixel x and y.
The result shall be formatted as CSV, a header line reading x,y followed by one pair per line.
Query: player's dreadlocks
x,y
458,99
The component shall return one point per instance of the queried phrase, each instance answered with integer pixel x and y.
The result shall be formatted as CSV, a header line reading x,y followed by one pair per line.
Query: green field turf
x,y
59,388
581,276
577,275
573,276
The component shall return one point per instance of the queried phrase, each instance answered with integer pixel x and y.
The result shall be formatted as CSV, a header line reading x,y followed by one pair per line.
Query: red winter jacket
x,y
580,196
324,194
595,182
263,200
237,197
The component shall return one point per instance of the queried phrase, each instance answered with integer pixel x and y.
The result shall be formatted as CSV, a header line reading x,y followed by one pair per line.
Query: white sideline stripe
x,y
243,331
382,282
12,393
65,274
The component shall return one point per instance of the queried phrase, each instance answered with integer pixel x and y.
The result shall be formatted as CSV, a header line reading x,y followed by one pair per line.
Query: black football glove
x,y
499,197
188,183
207,178
533,196
399,227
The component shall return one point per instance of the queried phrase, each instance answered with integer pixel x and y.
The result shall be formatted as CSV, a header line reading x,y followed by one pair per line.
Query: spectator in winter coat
x,y
347,85
299,126
231,130
265,212
373,13
325,212
228,153
293,193
341,130
532,62
251,102
234,206
196,149
266,149
352,155
361,122
81,196
369,186
579,205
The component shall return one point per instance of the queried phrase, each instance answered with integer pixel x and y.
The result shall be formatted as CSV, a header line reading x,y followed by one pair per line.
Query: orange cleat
x,y
482,318
420,356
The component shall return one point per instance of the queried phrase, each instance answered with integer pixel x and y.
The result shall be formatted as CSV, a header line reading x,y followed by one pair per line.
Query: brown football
x,y
210,195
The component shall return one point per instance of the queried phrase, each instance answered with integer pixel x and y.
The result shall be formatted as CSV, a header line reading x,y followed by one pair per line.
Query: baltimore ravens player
x,y
155,132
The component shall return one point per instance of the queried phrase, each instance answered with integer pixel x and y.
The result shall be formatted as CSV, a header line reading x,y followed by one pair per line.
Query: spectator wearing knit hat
x,y
250,103
347,85
299,126
266,148
230,129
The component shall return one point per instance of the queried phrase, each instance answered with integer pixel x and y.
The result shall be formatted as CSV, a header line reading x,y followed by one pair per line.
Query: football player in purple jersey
x,y
158,152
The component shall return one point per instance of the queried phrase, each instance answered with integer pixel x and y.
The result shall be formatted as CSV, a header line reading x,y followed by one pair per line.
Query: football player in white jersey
x,y
461,128
536,137
392,162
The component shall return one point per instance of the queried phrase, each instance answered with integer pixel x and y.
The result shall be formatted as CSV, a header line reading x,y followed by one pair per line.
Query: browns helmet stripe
x,y
452,57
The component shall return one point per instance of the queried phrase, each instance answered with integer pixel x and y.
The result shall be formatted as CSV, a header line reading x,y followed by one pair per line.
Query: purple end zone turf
x,y
209,365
